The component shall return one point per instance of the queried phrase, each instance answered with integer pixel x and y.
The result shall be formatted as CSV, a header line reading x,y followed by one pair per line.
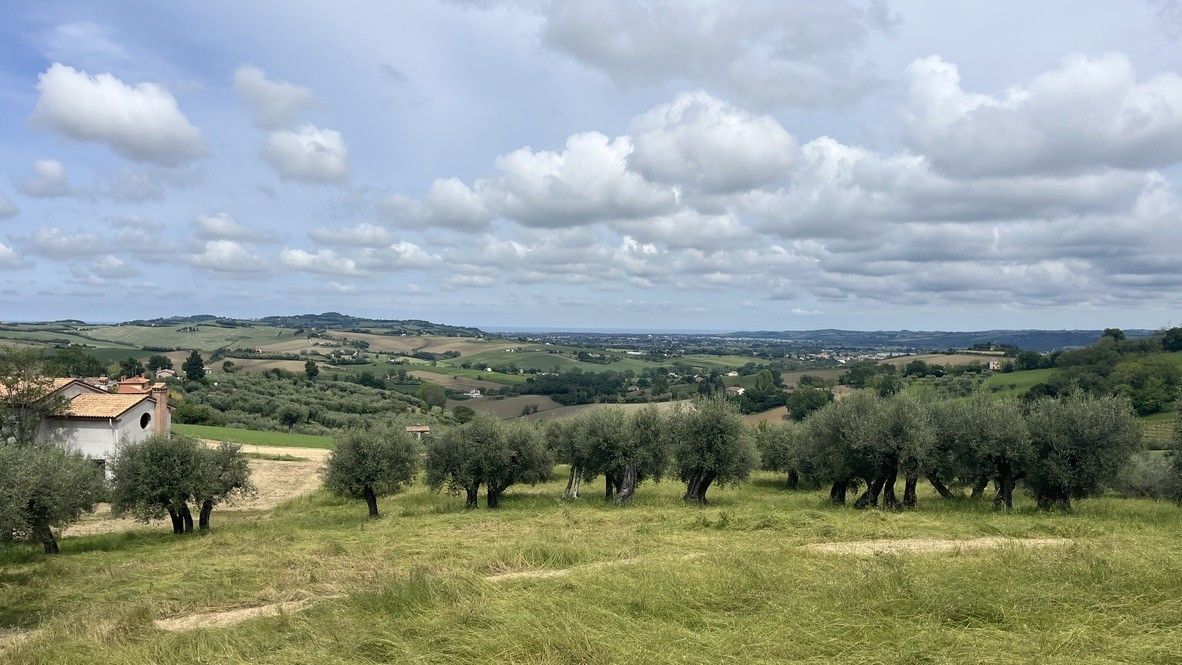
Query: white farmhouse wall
x,y
97,438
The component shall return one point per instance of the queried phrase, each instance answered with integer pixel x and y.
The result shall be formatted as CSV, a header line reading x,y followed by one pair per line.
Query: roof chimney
x,y
161,417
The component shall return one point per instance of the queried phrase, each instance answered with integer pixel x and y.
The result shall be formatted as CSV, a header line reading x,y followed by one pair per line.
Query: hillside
x,y
327,321
935,340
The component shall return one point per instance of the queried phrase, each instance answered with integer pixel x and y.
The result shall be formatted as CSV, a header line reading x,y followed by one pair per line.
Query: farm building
x,y
93,420
418,430
735,391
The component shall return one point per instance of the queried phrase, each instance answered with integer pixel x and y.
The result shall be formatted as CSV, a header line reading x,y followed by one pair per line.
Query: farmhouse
x,y
93,420
735,391
418,430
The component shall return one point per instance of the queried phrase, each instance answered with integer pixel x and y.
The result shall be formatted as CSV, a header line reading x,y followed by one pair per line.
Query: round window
x,y
144,420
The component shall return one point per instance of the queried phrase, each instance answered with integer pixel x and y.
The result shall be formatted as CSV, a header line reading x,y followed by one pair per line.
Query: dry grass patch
x,y
931,545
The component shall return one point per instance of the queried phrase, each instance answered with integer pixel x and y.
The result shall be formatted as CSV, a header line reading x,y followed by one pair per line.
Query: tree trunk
x,y
793,480
909,498
609,488
941,488
979,487
178,525
371,500
493,499
869,498
203,517
187,518
572,483
45,535
628,484
703,486
691,486
838,491
1005,487
889,500
473,499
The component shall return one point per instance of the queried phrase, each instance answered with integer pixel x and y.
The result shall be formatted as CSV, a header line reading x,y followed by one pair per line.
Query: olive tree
x,y
486,451
645,455
43,488
157,476
563,440
371,462
783,448
603,437
907,447
25,395
224,472
987,438
1079,445
843,441
711,444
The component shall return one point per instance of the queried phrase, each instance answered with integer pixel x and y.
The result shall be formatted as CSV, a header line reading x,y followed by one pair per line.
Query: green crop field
x,y
1159,429
207,337
1016,383
542,581
494,377
254,437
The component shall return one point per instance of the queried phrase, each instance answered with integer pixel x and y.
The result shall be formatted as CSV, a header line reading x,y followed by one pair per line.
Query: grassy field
x,y
255,437
492,377
207,337
541,581
1159,429
1016,383
508,407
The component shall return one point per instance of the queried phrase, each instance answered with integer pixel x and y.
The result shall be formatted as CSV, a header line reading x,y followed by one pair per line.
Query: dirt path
x,y
276,481
226,618
929,545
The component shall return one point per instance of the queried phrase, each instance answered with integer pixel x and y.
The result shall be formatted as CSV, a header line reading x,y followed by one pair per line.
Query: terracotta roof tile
x,y
101,405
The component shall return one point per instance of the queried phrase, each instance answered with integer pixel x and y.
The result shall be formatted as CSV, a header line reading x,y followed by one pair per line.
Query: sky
x,y
638,164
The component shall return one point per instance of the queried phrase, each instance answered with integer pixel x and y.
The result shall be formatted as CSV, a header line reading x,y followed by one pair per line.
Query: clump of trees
x,y
370,463
1060,449
487,452
162,475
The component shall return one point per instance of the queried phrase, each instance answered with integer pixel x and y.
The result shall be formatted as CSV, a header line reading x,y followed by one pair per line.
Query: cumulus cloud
x,y
767,52
274,104
699,141
401,255
8,208
1089,113
49,180
112,267
226,256
141,122
308,154
324,262
589,181
56,243
359,235
222,226
449,203
9,259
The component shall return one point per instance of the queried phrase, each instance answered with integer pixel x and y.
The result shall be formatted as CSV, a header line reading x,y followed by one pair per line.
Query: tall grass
x,y
656,581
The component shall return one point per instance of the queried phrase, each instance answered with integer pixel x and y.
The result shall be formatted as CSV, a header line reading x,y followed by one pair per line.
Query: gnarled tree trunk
x,y
493,499
371,500
979,487
838,491
473,496
573,482
1005,487
186,518
941,488
909,498
869,498
696,486
628,484
203,516
178,525
889,500
793,480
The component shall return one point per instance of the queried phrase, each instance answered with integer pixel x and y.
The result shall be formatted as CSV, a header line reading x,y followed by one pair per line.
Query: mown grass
x,y
255,437
673,583
1015,383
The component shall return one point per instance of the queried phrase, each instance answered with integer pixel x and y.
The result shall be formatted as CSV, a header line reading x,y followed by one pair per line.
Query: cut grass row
x,y
254,437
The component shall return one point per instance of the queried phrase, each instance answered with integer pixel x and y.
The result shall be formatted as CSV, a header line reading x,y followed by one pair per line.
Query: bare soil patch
x,y
930,545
